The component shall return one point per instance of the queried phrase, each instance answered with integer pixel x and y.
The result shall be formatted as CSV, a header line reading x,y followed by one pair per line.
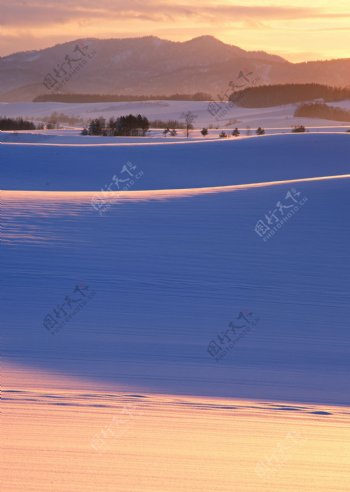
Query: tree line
x,y
8,124
124,126
93,98
322,111
276,95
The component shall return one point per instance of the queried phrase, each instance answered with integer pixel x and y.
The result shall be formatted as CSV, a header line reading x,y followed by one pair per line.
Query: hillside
x,y
149,65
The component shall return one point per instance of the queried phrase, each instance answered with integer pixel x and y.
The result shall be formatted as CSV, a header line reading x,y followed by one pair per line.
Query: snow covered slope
x,y
280,117
172,269
177,165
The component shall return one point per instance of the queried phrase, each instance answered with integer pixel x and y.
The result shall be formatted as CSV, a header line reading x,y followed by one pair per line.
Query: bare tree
x,y
189,118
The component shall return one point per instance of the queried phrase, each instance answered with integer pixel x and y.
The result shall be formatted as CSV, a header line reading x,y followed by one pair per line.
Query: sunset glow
x,y
294,30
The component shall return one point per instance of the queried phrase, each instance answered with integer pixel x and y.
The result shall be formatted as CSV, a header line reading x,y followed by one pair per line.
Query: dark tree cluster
x,y
97,126
322,111
276,95
125,126
9,124
299,129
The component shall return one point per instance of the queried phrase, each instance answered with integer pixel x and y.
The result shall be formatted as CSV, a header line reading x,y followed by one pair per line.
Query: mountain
x,y
149,65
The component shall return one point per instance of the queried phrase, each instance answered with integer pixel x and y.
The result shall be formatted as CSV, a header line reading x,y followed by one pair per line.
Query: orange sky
x,y
294,29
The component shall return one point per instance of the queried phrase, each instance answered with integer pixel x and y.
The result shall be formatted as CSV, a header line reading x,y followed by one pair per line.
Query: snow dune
x,y
174,260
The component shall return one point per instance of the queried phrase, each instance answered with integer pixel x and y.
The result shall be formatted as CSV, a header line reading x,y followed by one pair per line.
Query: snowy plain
x,y
273,119
172,262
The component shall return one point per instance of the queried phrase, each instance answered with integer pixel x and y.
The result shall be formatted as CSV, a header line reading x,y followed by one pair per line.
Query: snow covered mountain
x,y
152,66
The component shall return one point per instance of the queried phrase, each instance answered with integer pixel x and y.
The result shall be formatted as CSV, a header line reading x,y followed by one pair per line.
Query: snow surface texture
x,y
171,269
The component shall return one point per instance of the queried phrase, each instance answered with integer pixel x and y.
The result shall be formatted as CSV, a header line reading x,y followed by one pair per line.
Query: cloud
x,y
49,12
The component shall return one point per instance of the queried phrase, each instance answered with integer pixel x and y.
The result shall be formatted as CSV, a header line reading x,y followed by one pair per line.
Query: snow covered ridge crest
x,y
101,201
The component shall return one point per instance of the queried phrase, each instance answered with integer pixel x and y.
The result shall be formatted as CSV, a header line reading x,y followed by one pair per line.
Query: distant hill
x,y
276,95
149,65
